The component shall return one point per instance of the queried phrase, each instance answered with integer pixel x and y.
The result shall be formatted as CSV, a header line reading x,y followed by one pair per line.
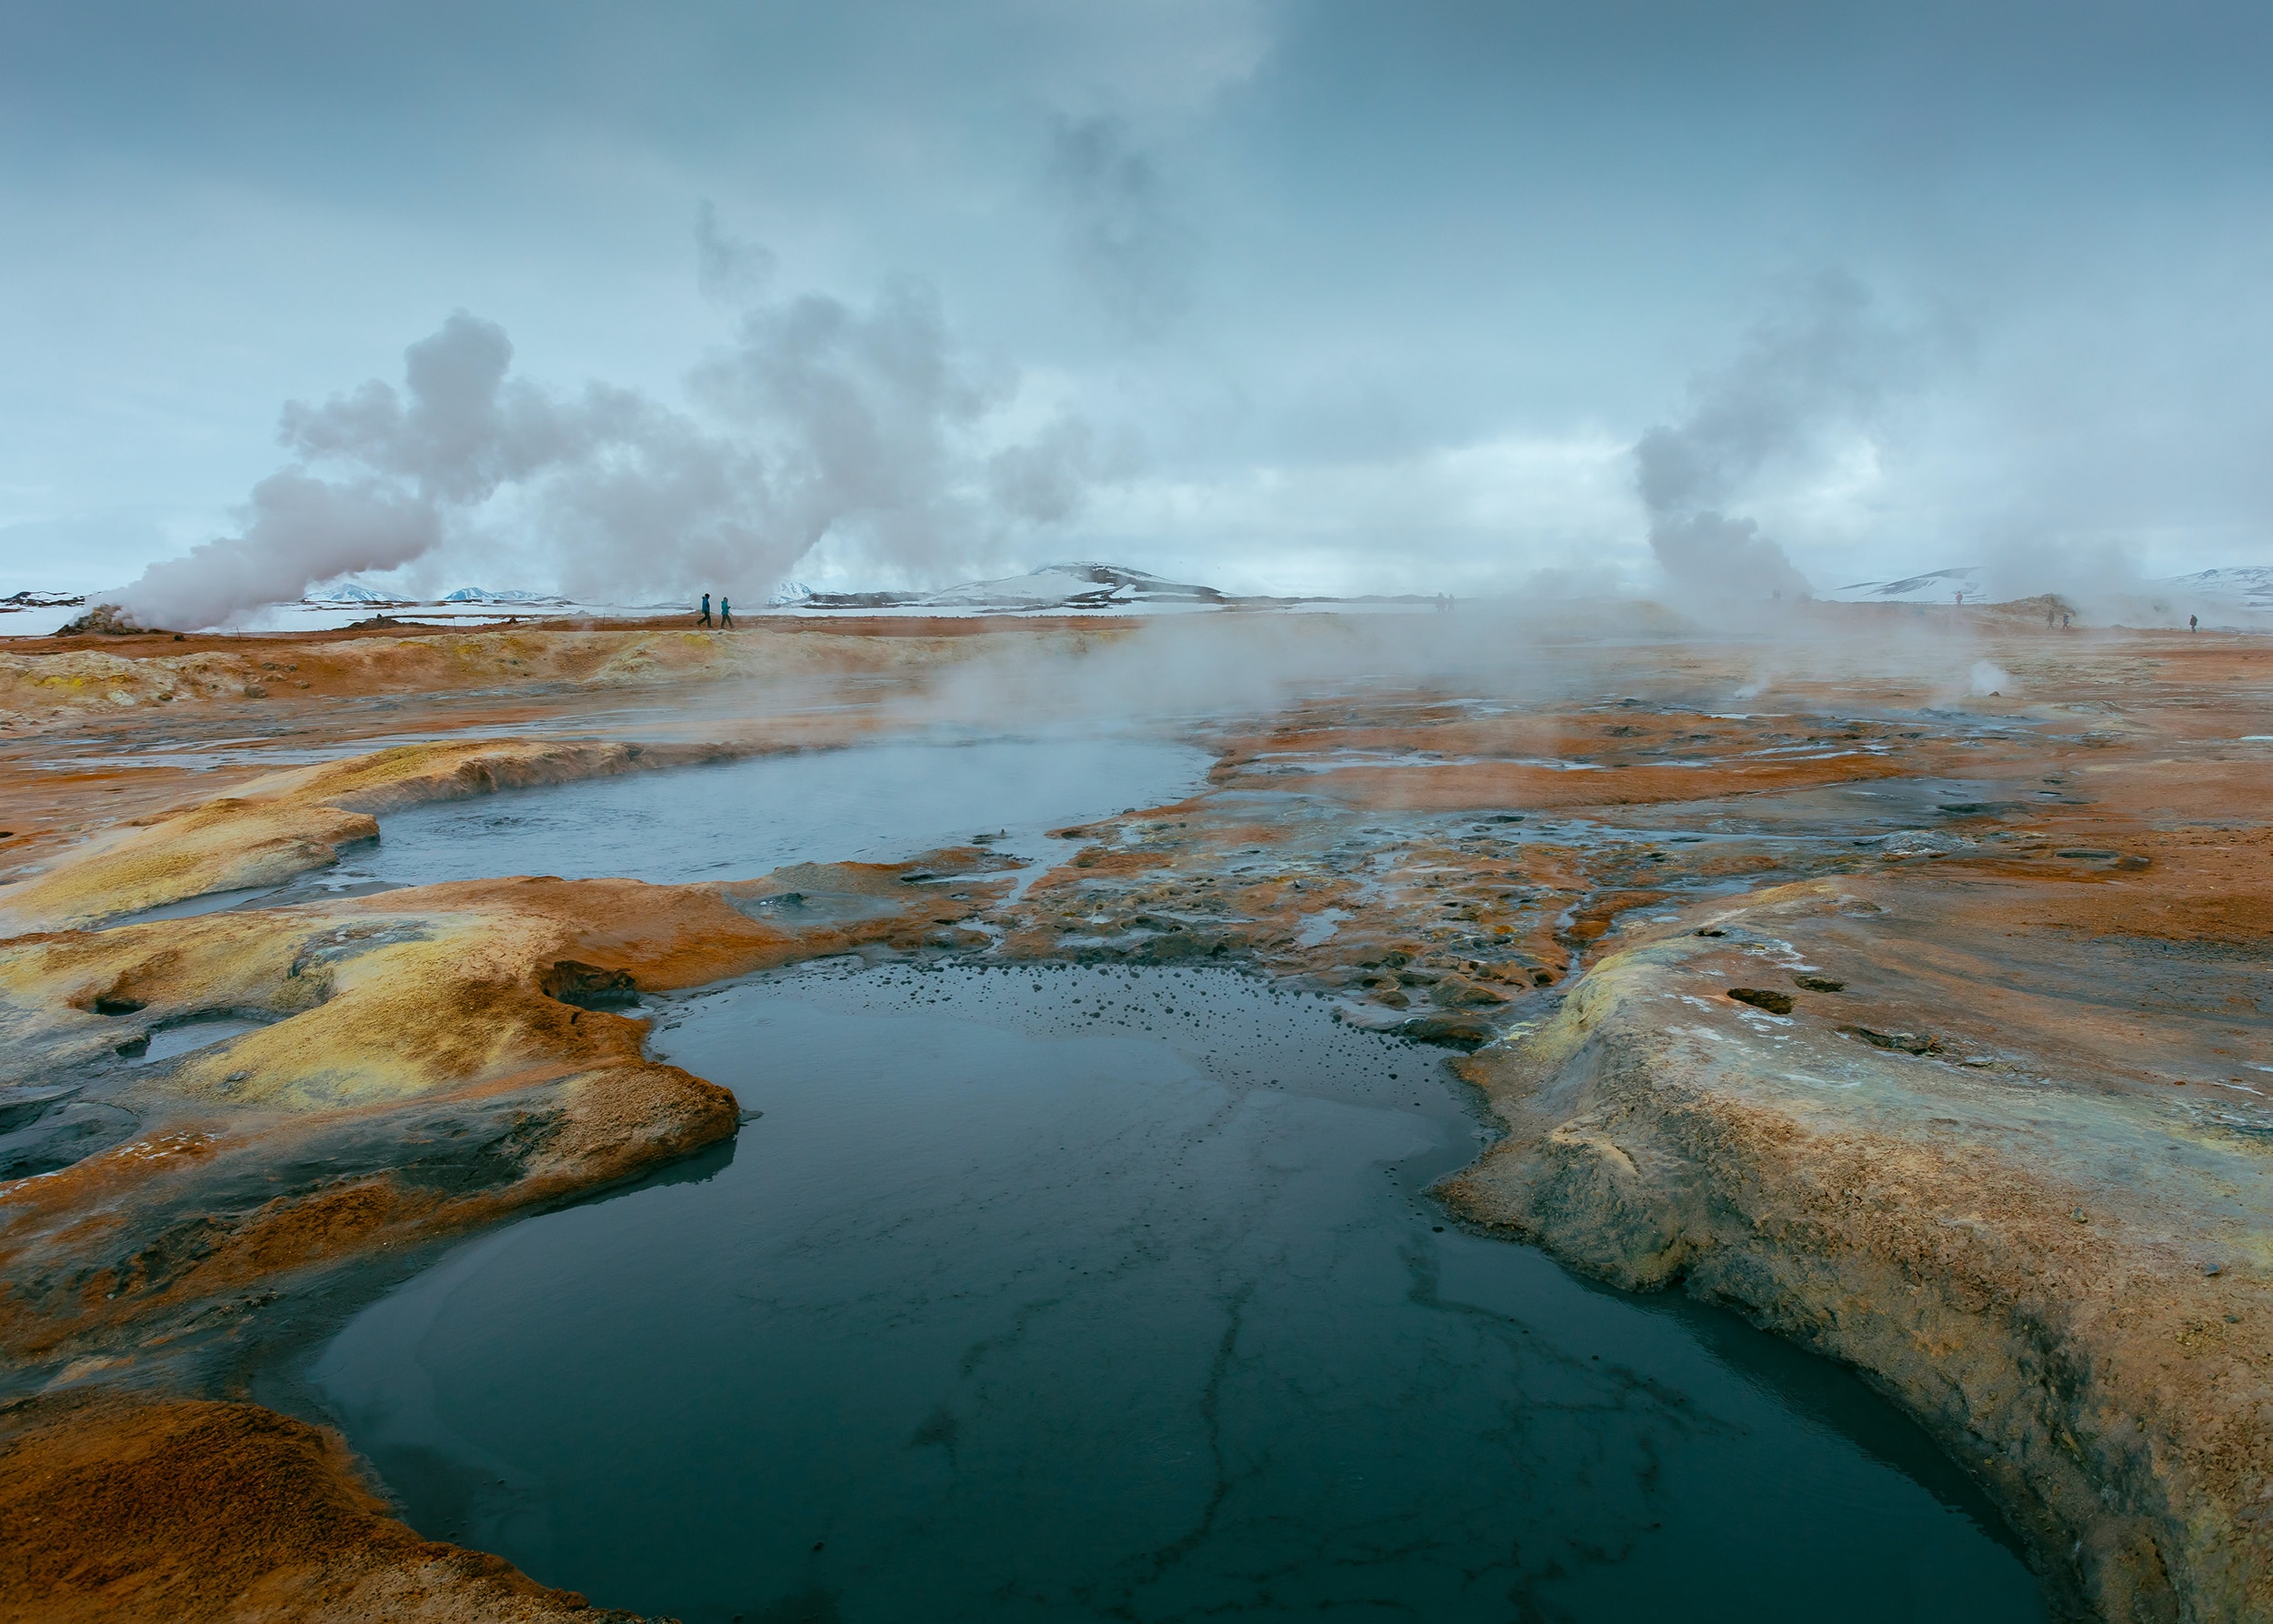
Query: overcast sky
x,y
1285,296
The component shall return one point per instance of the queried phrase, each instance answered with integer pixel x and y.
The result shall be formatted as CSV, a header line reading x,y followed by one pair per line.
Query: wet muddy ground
x,y
1920,1019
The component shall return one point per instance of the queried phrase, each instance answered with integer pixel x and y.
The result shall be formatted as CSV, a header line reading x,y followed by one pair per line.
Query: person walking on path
x,y
2194,623
705,619
726,613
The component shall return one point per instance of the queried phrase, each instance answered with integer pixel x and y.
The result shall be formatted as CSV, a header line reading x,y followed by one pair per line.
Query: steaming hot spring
x,y
1085,1097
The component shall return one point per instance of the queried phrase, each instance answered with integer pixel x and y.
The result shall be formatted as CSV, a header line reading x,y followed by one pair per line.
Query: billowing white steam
x,y
1826,361
819,420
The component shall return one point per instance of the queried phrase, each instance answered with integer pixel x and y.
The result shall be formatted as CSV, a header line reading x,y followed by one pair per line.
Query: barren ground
x,y
1926,1026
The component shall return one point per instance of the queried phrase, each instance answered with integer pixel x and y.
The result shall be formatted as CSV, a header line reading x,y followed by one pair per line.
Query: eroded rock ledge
x,y
2060,1266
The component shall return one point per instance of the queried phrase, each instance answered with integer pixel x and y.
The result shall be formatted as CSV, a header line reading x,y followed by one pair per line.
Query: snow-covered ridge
x,y
1962,585
2234,597
1083,584
356,592
2243,586
483,595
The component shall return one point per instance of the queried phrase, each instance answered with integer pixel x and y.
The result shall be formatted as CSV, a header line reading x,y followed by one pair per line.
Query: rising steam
x,y
868,427
1826,361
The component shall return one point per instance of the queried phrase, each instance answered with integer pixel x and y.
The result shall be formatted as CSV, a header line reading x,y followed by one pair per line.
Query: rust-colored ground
x,y
177,1511
1991,1121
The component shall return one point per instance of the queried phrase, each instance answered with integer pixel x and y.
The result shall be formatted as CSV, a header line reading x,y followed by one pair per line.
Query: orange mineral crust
x,y
437,1058
1898,979
174,1510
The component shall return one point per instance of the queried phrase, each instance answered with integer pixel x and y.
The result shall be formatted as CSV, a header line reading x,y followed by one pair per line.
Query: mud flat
x,y
1920,1016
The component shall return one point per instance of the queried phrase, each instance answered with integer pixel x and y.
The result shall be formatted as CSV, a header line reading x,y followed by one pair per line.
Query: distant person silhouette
x,y
726,613
705,619
2194,623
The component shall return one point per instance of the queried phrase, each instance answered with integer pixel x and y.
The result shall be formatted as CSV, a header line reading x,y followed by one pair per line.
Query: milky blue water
x,y
736,820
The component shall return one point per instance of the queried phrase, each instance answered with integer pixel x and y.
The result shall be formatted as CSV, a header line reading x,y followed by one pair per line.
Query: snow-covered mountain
x,y
1082,584
2236,597
36,613
483,595
1963,585
2243,586
349,592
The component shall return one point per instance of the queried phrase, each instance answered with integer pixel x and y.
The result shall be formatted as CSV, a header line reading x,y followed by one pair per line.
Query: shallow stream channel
x,y
1057,1292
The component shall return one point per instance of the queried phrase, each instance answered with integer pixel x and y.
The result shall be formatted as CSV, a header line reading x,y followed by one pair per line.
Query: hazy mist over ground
x,y
1288,297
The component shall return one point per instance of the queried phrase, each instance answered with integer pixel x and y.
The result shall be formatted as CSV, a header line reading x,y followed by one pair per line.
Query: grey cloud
x,y
728,269
1129,244
1046,479
1373,233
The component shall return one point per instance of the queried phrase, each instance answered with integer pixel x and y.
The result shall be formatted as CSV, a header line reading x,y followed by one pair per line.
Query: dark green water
x,y
1071,1294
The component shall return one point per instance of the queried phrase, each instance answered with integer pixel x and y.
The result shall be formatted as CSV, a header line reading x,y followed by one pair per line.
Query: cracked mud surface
x,y
1072,1292
2012,1166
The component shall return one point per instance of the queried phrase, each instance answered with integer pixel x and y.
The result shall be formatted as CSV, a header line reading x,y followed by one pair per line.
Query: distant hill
x,y
1935,586
2244,586
483,595
2233,597
1081,584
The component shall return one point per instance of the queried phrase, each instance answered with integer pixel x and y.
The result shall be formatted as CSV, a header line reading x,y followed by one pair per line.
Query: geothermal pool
x,y
736,820
1068,1293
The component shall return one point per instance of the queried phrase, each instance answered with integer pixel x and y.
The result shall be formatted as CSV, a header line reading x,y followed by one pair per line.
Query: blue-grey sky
x,y
1327,297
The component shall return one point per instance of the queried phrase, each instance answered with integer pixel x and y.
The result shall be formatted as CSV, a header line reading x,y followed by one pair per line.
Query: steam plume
x,y
1826,361
868,427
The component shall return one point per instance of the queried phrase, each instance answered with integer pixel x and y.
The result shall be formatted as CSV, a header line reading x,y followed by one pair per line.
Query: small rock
x,y
1457,992
1763,997
1908,1043
1818,984
1459,1028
